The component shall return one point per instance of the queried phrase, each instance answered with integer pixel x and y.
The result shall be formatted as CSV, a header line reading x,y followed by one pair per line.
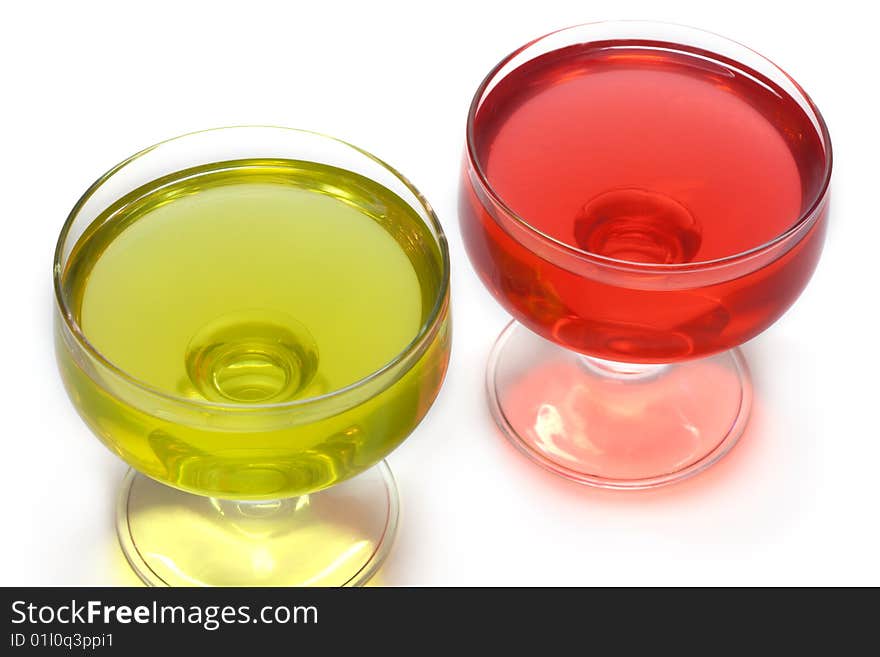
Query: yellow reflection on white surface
x,y
323,539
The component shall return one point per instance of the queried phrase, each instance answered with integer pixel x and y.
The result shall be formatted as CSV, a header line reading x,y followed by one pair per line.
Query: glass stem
x,y
258,509
623,371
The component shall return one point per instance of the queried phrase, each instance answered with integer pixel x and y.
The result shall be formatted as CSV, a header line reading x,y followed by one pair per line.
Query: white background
x,y
86,84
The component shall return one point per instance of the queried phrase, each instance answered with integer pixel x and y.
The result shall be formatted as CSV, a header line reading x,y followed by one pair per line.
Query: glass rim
x,y
806,216
417,345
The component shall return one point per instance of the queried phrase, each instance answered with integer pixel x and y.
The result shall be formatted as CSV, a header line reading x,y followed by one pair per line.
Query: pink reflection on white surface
x,y
621,429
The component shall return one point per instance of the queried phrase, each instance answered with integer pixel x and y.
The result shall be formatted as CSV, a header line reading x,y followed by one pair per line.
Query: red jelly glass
x,y
642,198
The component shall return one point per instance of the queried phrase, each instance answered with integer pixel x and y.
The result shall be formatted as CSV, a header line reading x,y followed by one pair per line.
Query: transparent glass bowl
x,y
592,381
203,519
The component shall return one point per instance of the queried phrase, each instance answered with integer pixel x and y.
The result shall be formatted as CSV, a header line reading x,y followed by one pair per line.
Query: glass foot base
x,y
614,425
335,537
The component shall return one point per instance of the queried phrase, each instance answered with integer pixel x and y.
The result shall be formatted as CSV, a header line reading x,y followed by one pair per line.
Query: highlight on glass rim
x,y
253,334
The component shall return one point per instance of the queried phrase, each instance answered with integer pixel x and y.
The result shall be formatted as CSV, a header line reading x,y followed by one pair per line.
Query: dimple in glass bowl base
x,y
339,536
642,427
